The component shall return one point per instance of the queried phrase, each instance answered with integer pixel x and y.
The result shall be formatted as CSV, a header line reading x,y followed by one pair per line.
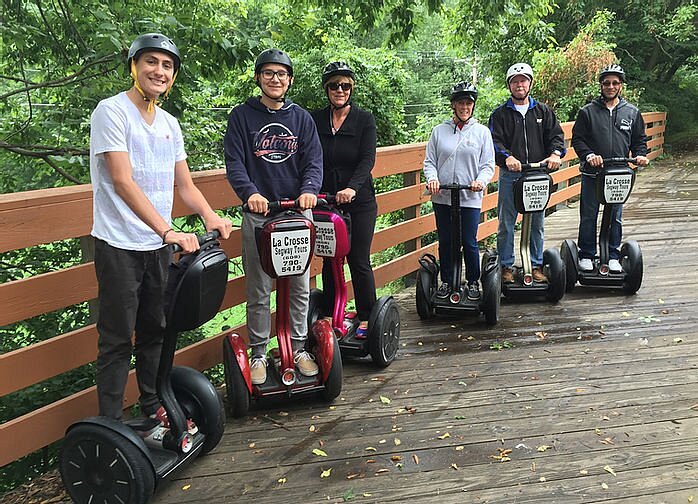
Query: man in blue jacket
x,y
607,127
272,152
523,131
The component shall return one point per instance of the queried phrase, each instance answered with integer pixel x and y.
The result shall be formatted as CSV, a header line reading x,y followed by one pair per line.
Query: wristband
x,y
164,235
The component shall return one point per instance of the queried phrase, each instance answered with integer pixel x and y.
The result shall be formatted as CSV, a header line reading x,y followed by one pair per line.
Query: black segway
x,y
333,241
532,192
457,303
614,183
104,460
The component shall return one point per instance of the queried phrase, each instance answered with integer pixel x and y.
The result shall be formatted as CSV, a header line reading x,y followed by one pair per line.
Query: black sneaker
x,y
473,292
444,291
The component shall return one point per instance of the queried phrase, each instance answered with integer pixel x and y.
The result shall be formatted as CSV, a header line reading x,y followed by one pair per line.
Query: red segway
x,y
286,226
333,232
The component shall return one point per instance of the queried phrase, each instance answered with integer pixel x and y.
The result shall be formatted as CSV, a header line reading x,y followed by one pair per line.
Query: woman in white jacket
x,y
460,151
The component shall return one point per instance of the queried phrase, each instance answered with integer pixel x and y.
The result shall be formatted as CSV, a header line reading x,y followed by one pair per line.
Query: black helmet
x,y
612,69
154,42
463,90
336,68
273,56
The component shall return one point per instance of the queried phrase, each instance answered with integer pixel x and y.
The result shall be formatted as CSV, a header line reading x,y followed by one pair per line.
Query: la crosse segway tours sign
x,y
617,187
290,251
325,239
535,195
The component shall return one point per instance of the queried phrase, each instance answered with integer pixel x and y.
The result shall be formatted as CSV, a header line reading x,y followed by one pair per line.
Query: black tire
x,y
491,278
316,307
200,402
235,387
631,260
333,385
568,254
425,310
384,335
555,269
100,465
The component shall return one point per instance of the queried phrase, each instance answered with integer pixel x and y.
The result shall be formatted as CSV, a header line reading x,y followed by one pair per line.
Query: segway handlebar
x,y
331,199
277,206
204,238
457,187
620,160
534,166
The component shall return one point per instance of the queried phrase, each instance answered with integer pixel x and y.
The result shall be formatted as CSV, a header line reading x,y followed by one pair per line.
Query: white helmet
x,y
519,69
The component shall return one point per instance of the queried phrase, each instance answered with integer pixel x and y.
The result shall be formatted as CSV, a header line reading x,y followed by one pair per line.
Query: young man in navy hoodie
x,y
272,152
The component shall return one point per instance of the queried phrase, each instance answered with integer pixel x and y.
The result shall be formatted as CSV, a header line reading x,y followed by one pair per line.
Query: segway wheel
x,y
631,260
568,253
333,385
491,287
99,465
423,296
384,335
555,269
235,387
316,306
200,402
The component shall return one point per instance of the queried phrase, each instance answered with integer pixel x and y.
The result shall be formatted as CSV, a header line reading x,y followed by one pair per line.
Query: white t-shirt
x,y
117,126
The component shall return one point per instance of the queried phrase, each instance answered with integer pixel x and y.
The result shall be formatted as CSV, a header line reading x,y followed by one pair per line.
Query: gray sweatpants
x,y
258,286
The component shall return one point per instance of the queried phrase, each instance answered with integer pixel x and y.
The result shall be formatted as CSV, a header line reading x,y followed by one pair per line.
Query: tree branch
x,y
60,171
41,151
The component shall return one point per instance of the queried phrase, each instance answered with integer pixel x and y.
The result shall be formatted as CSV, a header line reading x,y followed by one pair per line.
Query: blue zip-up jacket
x,y
608,133
530,140
275,153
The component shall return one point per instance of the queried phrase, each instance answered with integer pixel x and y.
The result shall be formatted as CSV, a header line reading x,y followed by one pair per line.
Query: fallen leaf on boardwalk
x,y
660,301
597,431
583,472
382,441
609,469
186,487
371,461
690,498
366,494
580,390
607,441
541,335
462,383
397,441
503,455
625,314
332,408
678,340
251,445
604,486
396,458
382,471
321,443
694,407
319,452
460,448
348,495
326,473
370,448
311,428
415,458
543,448
353,476
315,417
542,479
283,413
444,435
281,481
649,319
460,417
385,400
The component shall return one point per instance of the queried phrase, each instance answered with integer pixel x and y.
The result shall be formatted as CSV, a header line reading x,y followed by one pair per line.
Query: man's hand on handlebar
x,y
258,204
187,241
553,162
595,160
642,160
218,223
307,200
513,164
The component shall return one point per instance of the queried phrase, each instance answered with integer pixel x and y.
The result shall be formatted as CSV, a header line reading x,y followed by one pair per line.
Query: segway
x,y
614,183
457,303
532,192
105,460
332,242
285,243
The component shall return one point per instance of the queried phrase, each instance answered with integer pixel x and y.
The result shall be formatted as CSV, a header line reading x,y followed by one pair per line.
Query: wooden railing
x,y
45,216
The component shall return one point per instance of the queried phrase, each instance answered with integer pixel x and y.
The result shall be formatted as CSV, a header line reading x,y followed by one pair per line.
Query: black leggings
x,y
363,224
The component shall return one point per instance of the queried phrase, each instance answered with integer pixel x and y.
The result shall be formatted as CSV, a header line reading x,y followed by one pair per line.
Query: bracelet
x,y
164,235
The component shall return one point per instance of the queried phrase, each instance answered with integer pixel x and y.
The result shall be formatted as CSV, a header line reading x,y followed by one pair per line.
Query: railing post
x,y
411,179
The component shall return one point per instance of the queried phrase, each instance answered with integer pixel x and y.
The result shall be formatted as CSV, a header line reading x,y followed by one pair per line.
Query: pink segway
x,y
285,243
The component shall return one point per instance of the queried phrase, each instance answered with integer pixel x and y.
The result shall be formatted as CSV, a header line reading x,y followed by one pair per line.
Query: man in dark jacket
x,y
272,152
607,127
523,131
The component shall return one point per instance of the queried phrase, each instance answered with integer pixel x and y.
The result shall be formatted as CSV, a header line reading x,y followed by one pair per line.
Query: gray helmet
x,y
463,90
336,68
519,69
612,69
154,42
273,56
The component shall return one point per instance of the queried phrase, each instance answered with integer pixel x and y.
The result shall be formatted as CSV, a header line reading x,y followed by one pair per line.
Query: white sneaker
x,y
614,266
586,264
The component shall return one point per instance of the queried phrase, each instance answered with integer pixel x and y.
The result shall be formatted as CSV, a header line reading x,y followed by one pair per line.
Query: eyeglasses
x,y
269,74
611,83
334,86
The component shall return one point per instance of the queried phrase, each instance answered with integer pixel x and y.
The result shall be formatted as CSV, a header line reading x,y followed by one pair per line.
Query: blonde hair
x,y
339,78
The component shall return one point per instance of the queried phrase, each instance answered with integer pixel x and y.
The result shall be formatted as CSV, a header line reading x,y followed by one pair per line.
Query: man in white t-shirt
x,y
136,157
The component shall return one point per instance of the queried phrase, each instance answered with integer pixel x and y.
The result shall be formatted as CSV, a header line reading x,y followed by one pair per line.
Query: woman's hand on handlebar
x,y
307,200
642,160
258,204
476,186
433,186
345,195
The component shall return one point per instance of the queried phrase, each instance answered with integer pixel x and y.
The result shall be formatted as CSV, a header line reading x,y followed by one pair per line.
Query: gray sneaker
x,y
443,291
258,370
305,362
586,264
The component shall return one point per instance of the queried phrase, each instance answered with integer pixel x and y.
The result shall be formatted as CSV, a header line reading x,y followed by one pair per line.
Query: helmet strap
x,y
151,101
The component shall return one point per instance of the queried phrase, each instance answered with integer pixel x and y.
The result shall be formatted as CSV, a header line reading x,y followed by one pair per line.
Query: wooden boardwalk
x,y
594,399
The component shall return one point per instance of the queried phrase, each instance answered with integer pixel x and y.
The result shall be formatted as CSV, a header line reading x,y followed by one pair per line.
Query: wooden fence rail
x,y
46,216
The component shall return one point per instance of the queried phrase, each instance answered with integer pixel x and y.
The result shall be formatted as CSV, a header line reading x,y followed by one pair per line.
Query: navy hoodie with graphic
x,y
275,153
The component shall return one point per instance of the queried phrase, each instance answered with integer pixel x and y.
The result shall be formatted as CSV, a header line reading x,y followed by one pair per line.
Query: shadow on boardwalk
x,y
589,400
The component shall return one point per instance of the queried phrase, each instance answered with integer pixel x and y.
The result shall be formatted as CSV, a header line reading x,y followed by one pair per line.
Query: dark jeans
x,y
363,225
131,298
588,217
470,220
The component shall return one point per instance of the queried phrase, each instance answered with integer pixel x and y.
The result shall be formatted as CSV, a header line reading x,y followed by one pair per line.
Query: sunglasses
x,y
610,83
334,86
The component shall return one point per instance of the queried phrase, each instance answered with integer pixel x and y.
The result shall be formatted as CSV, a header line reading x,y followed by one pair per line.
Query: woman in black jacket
x,y
348,137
